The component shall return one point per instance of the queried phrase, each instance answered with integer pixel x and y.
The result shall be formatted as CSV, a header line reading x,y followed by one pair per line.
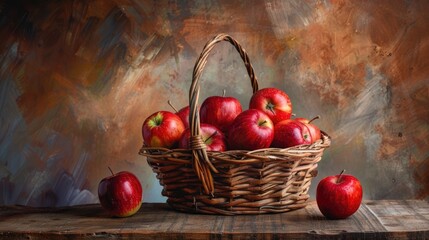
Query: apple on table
x,y
339,196
120,194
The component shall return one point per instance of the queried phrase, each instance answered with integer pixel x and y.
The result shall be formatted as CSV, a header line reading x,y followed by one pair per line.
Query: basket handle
x,y
201,162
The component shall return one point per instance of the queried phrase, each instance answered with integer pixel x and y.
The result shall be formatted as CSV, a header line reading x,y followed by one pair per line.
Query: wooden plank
x,y
374,220
406,219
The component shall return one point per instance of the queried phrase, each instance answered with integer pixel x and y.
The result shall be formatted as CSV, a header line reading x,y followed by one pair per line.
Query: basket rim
x,y
248,156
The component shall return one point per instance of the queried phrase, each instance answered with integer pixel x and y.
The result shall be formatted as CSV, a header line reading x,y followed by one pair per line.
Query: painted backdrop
x,y
78,78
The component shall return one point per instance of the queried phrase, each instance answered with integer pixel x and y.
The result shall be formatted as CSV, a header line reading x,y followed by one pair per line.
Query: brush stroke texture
x,y
78,78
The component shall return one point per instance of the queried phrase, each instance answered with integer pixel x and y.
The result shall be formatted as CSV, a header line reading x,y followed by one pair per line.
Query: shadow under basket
x,y
271,180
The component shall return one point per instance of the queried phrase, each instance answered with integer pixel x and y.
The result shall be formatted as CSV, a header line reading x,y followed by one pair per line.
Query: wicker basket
x,y
268,180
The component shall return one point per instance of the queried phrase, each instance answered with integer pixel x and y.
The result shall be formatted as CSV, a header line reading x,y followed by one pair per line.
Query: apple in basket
x,y
274,102
252,129
339,196
289,133
314,130
220,111
162,129
212,137
183,113
120,194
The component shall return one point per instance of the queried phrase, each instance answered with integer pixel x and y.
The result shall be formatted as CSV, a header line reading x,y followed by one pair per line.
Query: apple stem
x,y
224,93
172,106
262,123
215,132
339,176
316,117
111,171
270,106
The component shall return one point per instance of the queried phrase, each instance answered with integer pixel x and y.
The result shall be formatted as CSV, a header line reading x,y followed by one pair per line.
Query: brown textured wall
x,y
77,79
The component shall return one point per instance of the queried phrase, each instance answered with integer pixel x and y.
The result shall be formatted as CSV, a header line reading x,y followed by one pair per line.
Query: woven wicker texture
x,y
233,182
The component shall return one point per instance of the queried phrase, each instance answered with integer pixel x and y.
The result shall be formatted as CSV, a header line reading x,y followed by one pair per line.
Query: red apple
x,y
120,194
339,196
162,129
289,133
314,130
220,111
183,113
274,102
251,130
212,137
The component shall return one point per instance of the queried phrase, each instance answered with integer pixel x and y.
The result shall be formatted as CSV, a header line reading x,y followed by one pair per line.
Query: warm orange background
x,y
78,78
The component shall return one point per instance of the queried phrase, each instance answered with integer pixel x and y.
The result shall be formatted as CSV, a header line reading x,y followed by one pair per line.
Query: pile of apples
x,y
225,126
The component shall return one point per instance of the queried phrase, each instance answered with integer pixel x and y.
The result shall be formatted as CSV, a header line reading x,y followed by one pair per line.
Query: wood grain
x,y
386,219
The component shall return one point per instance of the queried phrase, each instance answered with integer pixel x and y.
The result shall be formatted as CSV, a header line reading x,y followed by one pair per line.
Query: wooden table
x,y
386,219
